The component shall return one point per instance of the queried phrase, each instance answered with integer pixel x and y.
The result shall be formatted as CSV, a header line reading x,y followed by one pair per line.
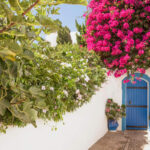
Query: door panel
x,y
136,105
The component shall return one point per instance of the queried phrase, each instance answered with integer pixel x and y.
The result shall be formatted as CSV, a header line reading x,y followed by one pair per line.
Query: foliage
x,y
119,32
64,36
114,111
56,81
21,25
80,37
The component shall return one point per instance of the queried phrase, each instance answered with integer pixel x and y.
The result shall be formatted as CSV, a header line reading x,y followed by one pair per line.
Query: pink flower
x,y
136,60
109,73
141,70
142,15
109,101
138,78
133,75
118,110
107,36
141,52
133,82
107,110
137,30
148,34
126,81
147,8
125,25
113,23
120,34
123,13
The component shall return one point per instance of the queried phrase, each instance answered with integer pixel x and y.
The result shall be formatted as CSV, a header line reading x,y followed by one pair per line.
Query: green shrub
x,y
56,81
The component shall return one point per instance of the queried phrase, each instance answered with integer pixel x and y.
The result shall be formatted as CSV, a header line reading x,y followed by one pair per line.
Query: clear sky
x,y
68,14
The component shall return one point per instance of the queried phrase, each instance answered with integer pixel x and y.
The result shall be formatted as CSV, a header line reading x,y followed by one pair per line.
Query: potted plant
x,y
114,112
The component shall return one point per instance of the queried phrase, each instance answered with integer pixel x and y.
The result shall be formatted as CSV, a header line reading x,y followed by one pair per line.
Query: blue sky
x,y
68,14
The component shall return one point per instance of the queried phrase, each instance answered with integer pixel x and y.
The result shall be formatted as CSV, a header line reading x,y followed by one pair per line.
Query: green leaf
x,y
55,11
15,5
36,92
4,104
13,46
12,68
17,19
45,21
30,113
7,10
28,54
40,103
7,54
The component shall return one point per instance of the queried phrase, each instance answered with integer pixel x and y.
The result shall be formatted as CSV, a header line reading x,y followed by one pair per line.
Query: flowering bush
x,y
119,32
56,81
114,111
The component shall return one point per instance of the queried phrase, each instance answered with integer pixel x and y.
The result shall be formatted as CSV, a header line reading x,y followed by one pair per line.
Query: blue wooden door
x,y
136,105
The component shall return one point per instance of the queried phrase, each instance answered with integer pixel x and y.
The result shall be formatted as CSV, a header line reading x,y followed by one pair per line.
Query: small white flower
x,y
69,77
43,87
69,65
82,76
51,88
81,59
77,91
71,57
60,75
77,79
79,97
70,51
38,65
49,71
66,64
44,110
87,78
79,103
65,92
58,96
84,84
87,60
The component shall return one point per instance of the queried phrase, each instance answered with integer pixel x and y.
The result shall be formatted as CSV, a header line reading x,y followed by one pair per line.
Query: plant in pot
x,y
114,112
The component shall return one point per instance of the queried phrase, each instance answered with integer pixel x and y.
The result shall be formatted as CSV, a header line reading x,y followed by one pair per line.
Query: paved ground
x,y
128,140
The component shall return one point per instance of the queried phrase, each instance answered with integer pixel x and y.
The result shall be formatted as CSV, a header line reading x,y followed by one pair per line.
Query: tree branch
x,y
26,11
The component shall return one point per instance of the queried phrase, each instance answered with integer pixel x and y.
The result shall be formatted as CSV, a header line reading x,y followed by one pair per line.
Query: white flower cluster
x,y
66,64
65,92
79,95
44,56
51,88
43,88
87,78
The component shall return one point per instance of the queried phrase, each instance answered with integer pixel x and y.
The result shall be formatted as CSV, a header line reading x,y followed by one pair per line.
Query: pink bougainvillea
x,y
119,31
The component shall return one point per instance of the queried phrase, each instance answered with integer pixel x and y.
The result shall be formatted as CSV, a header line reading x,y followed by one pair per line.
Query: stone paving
x,y
128,140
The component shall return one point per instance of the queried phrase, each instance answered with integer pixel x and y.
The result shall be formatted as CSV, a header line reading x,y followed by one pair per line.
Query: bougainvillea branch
x,y
119,31
25,12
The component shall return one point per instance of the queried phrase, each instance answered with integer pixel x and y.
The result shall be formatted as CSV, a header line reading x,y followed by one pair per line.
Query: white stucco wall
x,y
82,128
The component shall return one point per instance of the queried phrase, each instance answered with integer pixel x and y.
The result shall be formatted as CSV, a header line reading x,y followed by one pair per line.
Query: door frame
x,y
146,79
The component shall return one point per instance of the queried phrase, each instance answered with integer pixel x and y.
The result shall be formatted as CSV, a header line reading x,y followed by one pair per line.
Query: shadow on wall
x,y
136,140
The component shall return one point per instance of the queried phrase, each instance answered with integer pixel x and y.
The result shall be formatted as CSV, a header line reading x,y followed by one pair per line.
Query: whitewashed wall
x,y
82,128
